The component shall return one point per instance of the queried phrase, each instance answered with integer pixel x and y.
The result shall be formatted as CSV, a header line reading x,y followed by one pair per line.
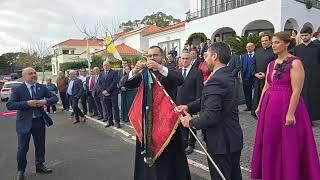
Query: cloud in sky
x,y
24,22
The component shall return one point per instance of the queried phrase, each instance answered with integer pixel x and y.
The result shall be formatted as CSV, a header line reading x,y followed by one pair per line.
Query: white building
x,y
221,18
171,37
136,39
70,50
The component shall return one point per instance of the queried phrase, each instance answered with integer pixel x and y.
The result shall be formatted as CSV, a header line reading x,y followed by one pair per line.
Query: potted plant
x,y
308,4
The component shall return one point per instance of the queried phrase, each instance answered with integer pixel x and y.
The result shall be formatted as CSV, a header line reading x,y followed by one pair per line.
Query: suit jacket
x,y
170,83
235,65
96,90
262,57
196,63
171,65
246,68
191,88
77,88
218,108
109,82
18,101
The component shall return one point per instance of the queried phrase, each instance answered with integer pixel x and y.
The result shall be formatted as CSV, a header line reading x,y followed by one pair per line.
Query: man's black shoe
x,y
108,124
117,125
44,170
20,175
99,118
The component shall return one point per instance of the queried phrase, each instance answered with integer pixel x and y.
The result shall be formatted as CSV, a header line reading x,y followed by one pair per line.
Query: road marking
x,y
198,165
133,137
198,151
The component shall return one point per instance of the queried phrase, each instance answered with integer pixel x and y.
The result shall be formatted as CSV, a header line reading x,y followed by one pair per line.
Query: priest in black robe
x,y
263,56
172,163
309,52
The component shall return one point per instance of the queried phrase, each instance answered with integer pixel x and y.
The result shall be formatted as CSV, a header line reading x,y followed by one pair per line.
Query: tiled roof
x,y
175,26
81,42
123,49
145,30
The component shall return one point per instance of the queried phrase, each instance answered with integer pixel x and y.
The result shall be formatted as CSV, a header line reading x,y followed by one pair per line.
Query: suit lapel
x,y
26,90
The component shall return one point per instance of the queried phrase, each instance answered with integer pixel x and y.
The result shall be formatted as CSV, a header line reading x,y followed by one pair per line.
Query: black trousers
x,y
38,132
247,89
76,110
92,104
64,100
53,107
188,138
110,107
229,165
97,101
84,102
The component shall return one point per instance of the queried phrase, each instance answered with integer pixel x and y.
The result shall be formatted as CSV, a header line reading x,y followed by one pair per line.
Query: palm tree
x,y
238,43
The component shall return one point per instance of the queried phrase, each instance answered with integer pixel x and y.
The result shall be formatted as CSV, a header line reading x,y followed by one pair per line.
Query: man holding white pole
x,y
218,107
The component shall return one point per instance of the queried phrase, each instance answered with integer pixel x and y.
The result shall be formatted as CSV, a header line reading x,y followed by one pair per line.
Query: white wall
x,y
133,41
299,12
176,34
238,18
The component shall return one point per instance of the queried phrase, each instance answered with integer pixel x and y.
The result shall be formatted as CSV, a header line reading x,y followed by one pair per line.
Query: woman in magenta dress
x,y
284,147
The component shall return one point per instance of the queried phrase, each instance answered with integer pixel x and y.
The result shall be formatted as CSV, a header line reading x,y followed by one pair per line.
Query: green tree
x,y
159,19
238,43
196,36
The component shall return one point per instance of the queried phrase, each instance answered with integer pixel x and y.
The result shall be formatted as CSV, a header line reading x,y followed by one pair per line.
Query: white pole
x,y
210,158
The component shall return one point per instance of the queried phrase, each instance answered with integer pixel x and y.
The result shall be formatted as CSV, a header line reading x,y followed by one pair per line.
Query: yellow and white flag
x,y
111,48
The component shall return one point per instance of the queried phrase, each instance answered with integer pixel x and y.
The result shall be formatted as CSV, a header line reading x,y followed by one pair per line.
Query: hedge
x,y
73,65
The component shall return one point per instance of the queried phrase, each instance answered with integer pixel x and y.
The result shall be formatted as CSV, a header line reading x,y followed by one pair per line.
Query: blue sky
x,y
27,21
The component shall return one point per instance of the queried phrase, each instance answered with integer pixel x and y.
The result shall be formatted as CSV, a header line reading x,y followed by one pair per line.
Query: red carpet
x,y
8,113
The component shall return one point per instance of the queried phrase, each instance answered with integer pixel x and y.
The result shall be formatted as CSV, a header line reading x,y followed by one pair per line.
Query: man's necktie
x,y
36,112
91,83
184,73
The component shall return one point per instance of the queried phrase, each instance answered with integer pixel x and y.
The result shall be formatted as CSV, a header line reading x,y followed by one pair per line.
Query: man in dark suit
x,y
218,115
171,62
195,57
172,163
74,92
96,93
89,88
107,83
234,66
189,91
262,57
247,74
28,99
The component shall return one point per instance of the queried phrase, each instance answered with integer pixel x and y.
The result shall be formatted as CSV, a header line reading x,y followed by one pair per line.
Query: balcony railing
x,y
315,3
218,8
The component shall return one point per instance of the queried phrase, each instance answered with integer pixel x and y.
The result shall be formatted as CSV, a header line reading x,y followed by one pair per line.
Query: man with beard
x,y
218,107
262,57
172,163
310,54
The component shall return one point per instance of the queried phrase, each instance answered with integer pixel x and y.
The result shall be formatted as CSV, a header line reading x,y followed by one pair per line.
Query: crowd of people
x,y
280,83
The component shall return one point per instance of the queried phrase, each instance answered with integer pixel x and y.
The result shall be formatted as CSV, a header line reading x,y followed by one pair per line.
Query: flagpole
x,y
210,158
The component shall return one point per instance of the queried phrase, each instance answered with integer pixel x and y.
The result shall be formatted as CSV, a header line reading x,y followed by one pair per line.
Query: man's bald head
x,y
29,75
250,47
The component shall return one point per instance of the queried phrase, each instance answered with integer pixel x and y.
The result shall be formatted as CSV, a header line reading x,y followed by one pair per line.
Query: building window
x,y
65,51
72,51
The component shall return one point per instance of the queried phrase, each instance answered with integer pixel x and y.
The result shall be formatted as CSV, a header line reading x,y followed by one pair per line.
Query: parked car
x,y
7,78
1,84
5,92
14,76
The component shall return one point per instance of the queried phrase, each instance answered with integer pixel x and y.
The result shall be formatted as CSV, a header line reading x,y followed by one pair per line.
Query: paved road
x,y
90,151
74,152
